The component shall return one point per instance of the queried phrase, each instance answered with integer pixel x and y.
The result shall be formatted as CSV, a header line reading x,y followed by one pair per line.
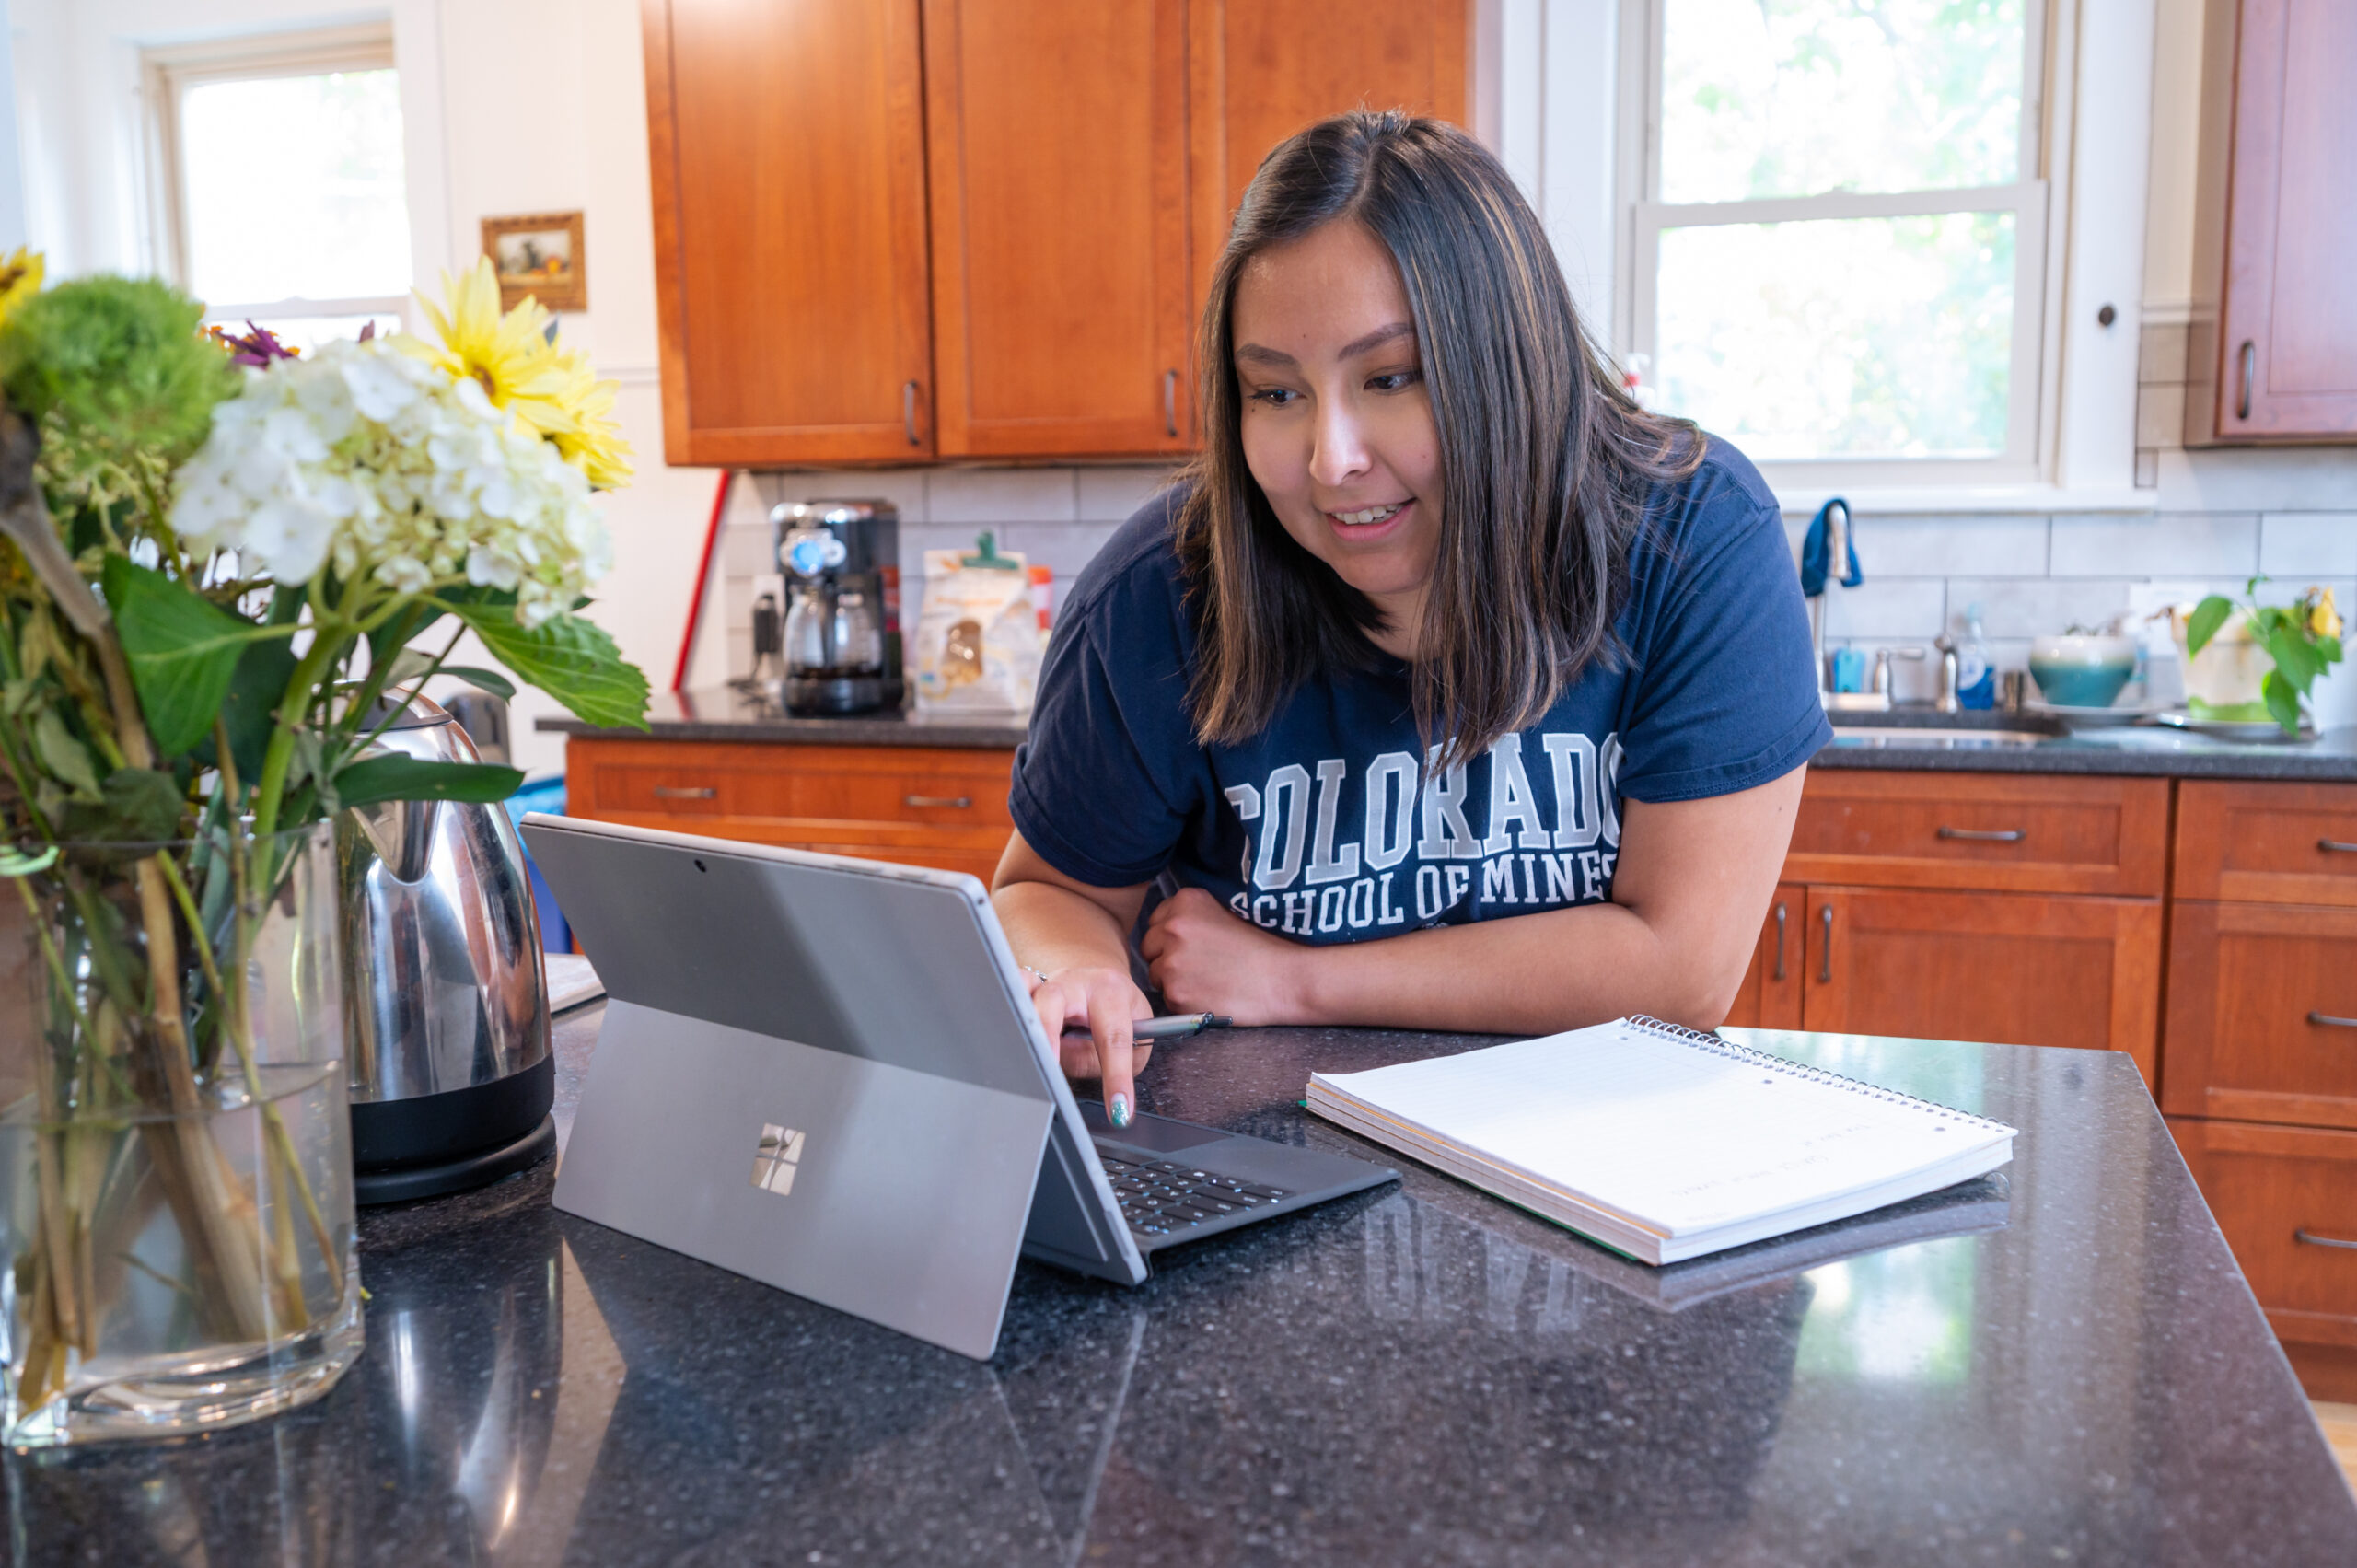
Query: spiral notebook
x,y
1662,1142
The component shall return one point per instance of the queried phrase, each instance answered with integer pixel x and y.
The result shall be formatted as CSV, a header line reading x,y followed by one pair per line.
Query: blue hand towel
x,y
1816,548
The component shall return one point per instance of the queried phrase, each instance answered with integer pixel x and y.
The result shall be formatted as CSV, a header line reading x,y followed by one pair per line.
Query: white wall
x,y
512,106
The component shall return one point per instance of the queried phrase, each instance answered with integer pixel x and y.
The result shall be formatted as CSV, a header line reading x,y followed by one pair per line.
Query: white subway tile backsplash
x,y
1002,495
1888,606
1109,495
2019,607
746,549
2160,415
2307,543
2164,544
904,488
1981,546
2160,356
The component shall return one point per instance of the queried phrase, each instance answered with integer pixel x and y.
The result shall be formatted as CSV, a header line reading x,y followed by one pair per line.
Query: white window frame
x,y
166,76
2034,259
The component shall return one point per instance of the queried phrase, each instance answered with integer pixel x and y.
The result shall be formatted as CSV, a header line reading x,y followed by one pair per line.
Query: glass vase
x,y
175,1149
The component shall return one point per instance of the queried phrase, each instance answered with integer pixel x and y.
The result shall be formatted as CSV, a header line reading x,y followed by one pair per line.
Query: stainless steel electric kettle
x,y
447,996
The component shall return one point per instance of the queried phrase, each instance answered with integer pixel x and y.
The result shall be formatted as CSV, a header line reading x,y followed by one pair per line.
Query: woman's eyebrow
x,y
1261,354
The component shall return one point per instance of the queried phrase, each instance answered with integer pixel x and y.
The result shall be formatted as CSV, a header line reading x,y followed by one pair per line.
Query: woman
x,y
1441,629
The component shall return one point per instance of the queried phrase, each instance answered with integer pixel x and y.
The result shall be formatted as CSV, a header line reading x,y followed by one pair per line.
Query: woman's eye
x,y
1274,396
1394,380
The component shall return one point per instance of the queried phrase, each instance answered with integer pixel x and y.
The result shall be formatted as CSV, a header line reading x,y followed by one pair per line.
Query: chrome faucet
x,y
1947,700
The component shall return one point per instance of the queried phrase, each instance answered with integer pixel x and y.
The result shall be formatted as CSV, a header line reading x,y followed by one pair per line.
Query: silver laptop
x,y
826,1075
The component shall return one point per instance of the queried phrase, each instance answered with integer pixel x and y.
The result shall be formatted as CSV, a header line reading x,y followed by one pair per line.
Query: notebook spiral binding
x,y
1734,1052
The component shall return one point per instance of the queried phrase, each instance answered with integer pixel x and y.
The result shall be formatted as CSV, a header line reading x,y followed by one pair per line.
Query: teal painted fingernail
x,y
1121,1110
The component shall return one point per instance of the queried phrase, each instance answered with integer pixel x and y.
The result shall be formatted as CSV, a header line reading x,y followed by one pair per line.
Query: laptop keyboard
x,y
1163,1197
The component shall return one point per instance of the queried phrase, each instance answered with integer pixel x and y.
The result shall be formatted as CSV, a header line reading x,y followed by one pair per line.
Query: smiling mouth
x,y
1368,516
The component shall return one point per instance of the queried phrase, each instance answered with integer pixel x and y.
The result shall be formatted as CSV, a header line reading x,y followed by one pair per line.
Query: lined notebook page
x,y
1670,1135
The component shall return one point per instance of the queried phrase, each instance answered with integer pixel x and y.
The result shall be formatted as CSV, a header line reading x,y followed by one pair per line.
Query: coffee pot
x,y
446,994
842,631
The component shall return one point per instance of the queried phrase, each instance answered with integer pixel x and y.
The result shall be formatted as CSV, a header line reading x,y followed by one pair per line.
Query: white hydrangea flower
x,y
363,458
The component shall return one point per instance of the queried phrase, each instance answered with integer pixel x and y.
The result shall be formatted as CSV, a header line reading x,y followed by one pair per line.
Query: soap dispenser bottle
x,y
1975,677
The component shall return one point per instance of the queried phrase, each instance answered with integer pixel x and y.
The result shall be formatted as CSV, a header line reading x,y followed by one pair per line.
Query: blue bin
x,y
545,795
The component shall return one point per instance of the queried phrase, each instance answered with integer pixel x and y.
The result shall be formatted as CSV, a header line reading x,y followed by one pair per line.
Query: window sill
x,y
1947,500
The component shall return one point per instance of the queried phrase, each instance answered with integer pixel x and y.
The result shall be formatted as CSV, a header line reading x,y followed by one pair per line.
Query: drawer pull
x,y
671,792
1986,835
1825,953
2312,1239
2329,1021
1780,941
954,802
2334,846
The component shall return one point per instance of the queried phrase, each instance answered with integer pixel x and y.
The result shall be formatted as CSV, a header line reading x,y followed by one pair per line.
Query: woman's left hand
x,y
1204,960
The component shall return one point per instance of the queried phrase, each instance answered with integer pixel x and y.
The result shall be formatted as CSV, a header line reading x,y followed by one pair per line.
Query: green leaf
x,y
2203,623
65,757
135,805
250,710
2296,657
14,862
395,777
2282,702
571,660
183,651
482,680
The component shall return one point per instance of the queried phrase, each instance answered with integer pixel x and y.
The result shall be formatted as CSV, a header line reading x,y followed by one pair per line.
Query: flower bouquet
x,y
215,558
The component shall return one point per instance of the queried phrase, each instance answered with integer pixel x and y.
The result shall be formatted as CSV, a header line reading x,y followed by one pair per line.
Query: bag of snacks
x,y
977,645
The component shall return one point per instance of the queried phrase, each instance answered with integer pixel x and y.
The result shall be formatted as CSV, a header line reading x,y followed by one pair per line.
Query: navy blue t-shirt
x,y
1320,827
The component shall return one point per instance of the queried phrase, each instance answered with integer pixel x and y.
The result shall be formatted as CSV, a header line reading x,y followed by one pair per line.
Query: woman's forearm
x,y
1532,974
1053,928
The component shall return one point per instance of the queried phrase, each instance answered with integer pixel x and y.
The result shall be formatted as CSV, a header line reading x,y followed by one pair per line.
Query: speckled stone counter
x,y
725,713
2057,1364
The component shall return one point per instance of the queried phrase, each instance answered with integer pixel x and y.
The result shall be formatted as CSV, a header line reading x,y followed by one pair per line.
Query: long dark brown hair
x,y
1546,464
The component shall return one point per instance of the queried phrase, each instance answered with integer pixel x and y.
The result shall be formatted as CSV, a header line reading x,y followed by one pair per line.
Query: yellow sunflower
x,y
509,355
551,392
20,280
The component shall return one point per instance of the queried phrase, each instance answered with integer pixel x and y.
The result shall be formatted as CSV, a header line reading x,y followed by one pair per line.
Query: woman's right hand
x,y
1107,1003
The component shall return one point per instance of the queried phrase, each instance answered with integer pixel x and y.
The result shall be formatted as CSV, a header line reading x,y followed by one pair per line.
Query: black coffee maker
x,y
842,561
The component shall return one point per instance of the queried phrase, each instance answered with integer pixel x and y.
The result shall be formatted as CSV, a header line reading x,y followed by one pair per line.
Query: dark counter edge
x,y
890,730
2332,760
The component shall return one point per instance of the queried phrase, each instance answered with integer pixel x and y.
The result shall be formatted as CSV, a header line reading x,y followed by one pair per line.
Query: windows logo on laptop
x,y
777,1160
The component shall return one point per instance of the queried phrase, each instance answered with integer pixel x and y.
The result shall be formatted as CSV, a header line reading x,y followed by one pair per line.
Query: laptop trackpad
x,y
1158,1133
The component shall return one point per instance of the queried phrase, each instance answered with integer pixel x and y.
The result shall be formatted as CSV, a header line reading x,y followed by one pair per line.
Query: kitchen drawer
x,y
2284,1196
938,786
2281,844
2255,990
1982,831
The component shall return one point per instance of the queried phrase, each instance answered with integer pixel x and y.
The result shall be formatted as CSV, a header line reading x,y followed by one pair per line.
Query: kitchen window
x,y
1839,255
281,193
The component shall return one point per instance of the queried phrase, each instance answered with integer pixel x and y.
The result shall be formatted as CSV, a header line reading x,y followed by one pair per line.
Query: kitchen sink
x,y
1922,726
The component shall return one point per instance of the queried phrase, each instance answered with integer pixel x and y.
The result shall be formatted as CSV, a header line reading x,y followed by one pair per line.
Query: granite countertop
x,y
2059,1364
726,713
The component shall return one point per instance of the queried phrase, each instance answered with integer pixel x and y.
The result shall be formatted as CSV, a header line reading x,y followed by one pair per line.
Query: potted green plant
x,y
2248,662
215,556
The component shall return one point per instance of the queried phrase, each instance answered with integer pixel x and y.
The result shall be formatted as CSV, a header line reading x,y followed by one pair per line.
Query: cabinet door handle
x,y
671,792
908,411
2312,1239
2329,1021
2250,366
2334,846
1986,835
956,802
1824,951
1170,403
1780,941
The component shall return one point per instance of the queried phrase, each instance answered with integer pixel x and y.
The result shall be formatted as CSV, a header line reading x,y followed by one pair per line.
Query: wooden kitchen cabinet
x,y
787,143
1998,967
2271,353
1770,996
941,806
1262,72
2267,843
1998,832
1058,175
2286,1199
893,230
2262,1013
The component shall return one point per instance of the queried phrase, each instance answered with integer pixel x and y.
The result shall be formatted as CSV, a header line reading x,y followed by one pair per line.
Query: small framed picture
x,y
538,254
